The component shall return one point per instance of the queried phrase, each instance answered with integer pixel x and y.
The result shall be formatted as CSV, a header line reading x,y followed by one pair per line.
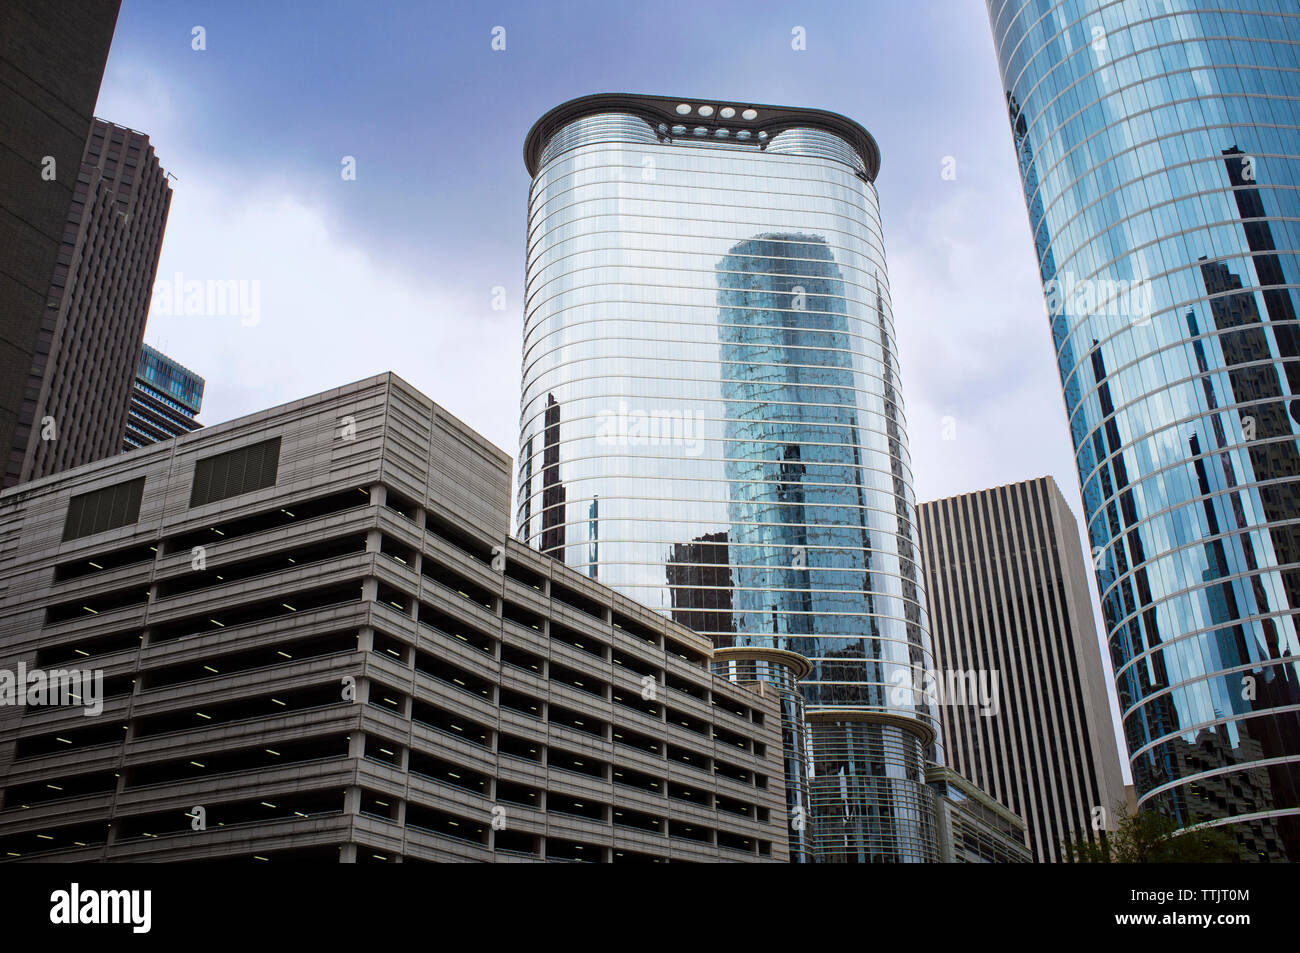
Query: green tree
x,y
1151,838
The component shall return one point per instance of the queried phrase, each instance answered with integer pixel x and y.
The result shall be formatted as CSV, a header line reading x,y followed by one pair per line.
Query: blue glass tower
x,y
711,424
800,544
1159,147
802,549
166,398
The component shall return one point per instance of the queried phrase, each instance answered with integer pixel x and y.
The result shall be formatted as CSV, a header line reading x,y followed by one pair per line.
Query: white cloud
x,y
330,313
978,360
134,95
976,349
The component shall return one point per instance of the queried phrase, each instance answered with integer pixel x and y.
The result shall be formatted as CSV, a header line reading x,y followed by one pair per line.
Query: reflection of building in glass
x,y
801,549
1248,791
1184,418
552,489
1257,383
593,537
165,400
721,265
799,544
1281,309
699,580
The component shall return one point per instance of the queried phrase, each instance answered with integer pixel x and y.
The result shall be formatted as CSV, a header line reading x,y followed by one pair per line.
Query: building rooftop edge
x,y
662,109
216,429
1051,482
941,772
172,360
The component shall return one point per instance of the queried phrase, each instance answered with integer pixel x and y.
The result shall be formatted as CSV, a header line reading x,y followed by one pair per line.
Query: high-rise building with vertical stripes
x,y
79,385
1159,145
1008,595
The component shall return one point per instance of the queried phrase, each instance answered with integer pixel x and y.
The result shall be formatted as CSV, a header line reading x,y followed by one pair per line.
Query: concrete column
x,y
362,690
352,801
357,744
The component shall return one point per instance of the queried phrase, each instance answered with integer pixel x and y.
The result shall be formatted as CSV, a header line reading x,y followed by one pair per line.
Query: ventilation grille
x,y
235,472
102,510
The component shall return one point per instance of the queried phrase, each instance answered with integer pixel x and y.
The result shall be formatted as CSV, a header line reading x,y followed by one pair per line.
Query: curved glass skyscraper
x,y
1159,144
711,420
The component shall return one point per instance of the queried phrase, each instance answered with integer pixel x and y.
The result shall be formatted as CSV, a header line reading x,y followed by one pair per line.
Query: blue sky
x,y
397,269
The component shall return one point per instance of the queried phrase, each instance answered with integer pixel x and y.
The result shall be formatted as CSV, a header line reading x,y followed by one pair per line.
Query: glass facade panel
x,y
170,379
1159,147
711,420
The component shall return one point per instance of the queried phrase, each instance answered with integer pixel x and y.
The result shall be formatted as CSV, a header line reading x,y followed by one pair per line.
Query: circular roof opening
x,y
683,109
726,112
749,114
706,111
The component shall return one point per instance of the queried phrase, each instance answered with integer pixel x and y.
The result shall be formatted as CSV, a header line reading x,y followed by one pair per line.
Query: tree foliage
x,y
1152,838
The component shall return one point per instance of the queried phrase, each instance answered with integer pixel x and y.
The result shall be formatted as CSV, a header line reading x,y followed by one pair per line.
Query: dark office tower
x,y
708,302
1008,597
165,399
1159,145
51,64
98,301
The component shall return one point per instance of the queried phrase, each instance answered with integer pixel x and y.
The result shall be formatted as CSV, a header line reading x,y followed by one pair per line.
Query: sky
x,y
399,267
